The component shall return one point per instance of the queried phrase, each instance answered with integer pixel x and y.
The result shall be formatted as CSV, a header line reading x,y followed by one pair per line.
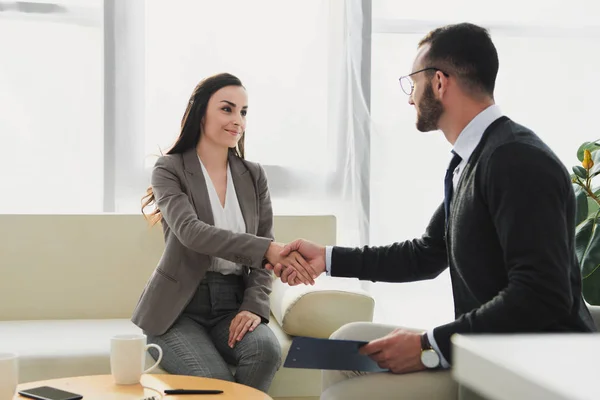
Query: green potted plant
x,y
587,233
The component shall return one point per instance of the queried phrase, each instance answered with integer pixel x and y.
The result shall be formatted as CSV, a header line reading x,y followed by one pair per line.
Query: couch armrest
x,y
319,310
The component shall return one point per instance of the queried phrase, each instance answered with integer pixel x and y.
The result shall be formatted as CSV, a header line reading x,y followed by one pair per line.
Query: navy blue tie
x,y
448,183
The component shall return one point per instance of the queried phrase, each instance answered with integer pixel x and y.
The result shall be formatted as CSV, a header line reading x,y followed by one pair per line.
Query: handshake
x,y
298,262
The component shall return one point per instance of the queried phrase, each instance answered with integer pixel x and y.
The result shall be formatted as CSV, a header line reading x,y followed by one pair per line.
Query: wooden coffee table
x,y
102,387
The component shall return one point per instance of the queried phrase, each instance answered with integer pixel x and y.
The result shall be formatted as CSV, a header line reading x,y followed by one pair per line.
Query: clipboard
x,y
341,355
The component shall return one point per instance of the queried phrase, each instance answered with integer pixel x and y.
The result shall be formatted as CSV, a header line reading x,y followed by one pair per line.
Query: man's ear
x,y
440,83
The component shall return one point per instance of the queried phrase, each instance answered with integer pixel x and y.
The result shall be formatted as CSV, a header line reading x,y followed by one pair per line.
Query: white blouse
x,y
229,217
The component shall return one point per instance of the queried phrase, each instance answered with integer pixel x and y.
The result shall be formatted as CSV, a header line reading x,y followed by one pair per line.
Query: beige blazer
x,y
191,238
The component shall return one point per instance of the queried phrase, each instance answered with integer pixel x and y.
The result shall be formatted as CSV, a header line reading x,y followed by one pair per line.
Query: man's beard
x,y
429,112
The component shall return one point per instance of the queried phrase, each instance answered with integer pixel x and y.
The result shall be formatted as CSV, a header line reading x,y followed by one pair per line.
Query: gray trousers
x,y
196,344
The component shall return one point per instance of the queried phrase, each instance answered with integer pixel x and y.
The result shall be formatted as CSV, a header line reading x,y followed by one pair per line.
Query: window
x,y
51,124
277,50
283,54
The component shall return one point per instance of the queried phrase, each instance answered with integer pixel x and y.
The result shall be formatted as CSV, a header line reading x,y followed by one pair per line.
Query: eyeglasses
x,y
407,84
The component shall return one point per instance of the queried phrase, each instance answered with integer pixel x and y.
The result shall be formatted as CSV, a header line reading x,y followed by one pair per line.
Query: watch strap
x,y
425,344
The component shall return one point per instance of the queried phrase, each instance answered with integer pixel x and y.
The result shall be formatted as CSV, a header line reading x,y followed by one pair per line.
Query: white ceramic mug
x,y
128,358
9,375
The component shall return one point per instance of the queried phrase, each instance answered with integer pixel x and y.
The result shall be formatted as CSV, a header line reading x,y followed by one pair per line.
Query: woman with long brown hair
x,y
207,302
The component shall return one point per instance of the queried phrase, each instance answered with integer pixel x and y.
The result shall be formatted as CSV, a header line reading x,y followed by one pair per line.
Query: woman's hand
x,y
243,322
287,264
292,259
308,252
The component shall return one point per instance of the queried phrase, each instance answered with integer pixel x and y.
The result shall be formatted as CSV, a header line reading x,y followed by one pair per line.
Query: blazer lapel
x,y
197,186
246,192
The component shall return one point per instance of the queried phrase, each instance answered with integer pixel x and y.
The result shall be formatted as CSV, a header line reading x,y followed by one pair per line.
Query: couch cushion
x,y
71,284
62,348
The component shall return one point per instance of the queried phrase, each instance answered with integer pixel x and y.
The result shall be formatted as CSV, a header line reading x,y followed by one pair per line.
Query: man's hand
x,y
243,322
312,253
400,351
278,255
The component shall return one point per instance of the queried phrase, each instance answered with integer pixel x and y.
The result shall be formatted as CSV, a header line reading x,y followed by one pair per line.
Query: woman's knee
x,y
190,353
224,375
262,345
272,350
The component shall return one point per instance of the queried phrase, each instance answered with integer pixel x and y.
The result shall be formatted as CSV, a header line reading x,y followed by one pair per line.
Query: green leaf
x,y
591,146
592,206
587,246
581,201
580,172
596,157
591,288
583,234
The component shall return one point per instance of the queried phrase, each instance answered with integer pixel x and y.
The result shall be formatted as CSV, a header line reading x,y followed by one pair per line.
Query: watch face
x,y
430,358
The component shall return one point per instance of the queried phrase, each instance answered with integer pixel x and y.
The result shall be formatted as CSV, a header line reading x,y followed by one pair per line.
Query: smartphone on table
x,y
49,393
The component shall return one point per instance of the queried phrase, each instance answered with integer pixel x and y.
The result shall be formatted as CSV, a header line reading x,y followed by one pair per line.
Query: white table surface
x,y
515,367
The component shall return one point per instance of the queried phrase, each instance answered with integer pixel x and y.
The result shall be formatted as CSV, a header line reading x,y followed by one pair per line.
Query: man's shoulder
x,y
509,131
513,147
510,135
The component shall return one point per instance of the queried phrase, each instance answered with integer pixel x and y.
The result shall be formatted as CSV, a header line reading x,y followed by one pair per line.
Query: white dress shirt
x,y
470,137
229,217
465,144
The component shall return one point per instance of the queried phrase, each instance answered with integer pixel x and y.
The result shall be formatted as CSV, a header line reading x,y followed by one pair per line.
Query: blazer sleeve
x,y
528,194
260,281
180,216
412,260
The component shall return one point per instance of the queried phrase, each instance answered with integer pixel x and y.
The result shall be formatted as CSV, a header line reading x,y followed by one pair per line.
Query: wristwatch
x,y
429,357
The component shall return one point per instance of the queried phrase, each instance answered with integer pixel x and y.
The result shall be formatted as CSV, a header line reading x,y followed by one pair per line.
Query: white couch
x,y
70,282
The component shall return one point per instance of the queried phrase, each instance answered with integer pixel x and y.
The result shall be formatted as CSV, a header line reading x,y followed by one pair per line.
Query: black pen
x,y
192,391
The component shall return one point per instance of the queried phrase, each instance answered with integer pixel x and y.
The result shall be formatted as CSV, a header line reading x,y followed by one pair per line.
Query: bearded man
x,y
505,230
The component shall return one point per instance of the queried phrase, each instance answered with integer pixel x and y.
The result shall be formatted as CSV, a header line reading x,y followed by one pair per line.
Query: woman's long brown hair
x,y
191,129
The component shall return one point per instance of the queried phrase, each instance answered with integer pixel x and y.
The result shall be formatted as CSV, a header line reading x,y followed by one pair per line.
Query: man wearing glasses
x,y
505,230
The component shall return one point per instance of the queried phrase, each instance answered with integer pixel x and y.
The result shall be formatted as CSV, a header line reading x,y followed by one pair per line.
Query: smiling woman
x,y
207,304
211,109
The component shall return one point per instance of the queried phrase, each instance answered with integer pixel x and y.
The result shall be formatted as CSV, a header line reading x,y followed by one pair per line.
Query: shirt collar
x,y
471,135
